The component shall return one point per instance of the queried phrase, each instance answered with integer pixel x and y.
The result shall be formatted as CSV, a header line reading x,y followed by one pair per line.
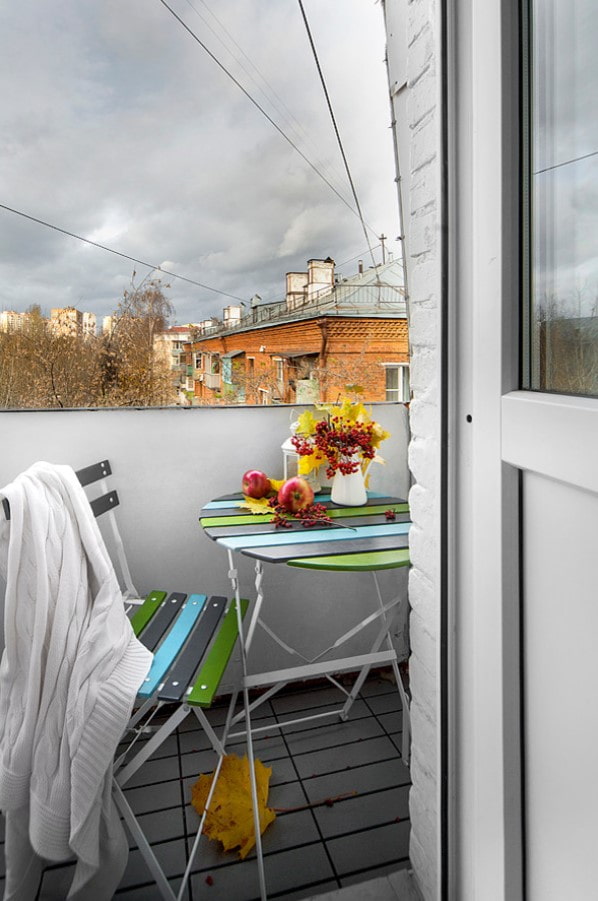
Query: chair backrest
x,y
105,503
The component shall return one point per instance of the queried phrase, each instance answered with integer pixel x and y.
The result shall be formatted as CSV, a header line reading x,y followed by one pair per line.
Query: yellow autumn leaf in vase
x,y
230,816
306,424
379,434
308,462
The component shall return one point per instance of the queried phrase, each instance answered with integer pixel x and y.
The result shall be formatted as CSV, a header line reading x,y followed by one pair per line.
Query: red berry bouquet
x,y
345,439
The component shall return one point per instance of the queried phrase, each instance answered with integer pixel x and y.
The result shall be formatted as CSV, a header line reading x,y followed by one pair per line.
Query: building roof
x,y
378,292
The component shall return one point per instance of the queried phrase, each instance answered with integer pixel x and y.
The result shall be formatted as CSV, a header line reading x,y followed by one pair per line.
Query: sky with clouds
x,y
565,156
117,126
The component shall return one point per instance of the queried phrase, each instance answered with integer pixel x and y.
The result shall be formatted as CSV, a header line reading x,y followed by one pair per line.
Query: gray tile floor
x,y
340,789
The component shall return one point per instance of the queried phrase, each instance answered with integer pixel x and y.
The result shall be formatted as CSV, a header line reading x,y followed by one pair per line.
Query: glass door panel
x,y
563,202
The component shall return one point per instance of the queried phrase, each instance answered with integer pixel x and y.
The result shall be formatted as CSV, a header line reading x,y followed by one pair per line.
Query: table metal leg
x,y
250,755
406,736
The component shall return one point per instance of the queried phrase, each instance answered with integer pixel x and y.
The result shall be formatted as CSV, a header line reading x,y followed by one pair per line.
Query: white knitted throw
x,y
68,679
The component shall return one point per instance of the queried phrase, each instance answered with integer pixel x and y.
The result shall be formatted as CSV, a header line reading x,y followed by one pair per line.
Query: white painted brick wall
x,y
422,162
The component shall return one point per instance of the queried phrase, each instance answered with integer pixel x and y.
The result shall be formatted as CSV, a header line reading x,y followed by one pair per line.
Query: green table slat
x,y
366,562
218,656
265,528
142,616
243,519
248,519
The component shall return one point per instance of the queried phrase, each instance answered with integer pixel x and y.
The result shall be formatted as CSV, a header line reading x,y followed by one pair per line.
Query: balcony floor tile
x,y
340,789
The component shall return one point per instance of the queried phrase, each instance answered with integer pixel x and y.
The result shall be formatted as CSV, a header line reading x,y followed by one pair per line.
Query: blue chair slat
x,y
191,657
159,623
172,644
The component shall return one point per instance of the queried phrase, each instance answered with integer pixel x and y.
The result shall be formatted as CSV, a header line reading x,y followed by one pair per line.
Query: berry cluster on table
x,y
309,516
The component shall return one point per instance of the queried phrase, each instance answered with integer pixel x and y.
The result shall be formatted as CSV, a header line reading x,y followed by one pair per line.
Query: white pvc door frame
x,y
494,431
484,830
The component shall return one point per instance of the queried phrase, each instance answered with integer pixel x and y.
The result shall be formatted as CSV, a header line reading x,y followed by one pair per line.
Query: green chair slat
x,y
142,616
355,562
209,676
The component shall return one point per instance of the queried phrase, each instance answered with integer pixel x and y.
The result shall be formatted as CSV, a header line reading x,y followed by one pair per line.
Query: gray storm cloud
x,y
117,126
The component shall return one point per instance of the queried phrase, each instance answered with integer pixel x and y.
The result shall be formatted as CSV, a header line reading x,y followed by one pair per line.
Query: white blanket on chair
x,y
68,679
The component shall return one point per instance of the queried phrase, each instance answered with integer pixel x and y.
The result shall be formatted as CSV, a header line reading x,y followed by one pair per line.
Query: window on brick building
x,y
279,363
397,382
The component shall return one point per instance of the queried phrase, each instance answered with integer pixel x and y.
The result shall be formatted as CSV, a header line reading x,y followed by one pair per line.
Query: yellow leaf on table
x,y
230,816
255,504
276,484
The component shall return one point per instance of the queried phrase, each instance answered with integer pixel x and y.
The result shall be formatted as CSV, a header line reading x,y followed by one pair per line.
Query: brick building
x,y
326,334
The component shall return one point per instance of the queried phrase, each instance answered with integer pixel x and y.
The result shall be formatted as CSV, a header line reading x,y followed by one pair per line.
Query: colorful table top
x,y
359,539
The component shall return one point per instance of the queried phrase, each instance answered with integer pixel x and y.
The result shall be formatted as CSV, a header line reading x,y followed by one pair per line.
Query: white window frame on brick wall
x,y
279,364
400,394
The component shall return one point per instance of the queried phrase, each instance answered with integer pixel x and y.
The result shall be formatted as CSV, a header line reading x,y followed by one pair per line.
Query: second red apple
x,y
295,494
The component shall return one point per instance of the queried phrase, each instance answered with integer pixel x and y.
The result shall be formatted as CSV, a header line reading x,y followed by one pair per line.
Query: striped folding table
x,y
359,539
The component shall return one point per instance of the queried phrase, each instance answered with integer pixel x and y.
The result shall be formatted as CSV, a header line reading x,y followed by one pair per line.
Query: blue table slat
x,y
172,644
247,542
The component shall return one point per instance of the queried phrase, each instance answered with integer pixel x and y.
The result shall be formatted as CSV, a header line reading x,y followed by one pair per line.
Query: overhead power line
x,y
576,159
260,108
117,253
336,131
268,92
356,257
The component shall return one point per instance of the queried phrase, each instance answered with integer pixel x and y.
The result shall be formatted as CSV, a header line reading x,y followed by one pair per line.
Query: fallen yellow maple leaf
x,y
256,504
230,816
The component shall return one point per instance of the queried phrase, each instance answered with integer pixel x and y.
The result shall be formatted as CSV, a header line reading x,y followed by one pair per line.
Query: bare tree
x,y
132,373
39,368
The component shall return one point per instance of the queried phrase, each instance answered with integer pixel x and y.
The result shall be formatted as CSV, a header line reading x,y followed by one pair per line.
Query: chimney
x,y
296,288
320,277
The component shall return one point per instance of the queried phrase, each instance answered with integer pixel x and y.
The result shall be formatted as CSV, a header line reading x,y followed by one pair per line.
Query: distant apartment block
x,y
169,346
108,323
11,321
89,325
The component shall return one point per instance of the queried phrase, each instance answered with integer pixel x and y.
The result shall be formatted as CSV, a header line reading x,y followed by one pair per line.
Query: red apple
x,y
255,483
295,494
